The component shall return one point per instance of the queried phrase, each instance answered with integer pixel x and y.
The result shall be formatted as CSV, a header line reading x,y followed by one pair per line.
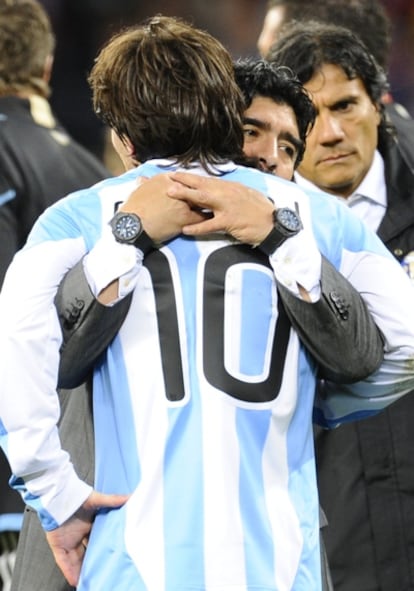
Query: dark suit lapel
x,y
400,195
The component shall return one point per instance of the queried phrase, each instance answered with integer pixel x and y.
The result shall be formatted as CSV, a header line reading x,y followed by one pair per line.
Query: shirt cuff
x,y
109,261
298,262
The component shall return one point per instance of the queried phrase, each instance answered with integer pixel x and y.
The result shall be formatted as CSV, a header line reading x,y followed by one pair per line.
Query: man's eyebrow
x,y
256,122
346,98
286,135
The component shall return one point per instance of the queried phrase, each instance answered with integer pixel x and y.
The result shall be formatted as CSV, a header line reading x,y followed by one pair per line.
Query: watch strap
x,y
273,240
144,243
282,229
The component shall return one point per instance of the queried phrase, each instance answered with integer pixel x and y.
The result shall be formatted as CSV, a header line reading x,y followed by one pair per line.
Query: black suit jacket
x,y
366,469
38,165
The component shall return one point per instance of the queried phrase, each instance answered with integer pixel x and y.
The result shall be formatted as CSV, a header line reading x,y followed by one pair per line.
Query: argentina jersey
x,y
197,416
203,401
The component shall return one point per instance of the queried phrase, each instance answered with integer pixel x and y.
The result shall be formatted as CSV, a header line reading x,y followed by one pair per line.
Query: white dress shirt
x,y
369,200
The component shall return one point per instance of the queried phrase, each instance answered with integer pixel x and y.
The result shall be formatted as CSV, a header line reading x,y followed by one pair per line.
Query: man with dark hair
x,y
39,163
366,18
365,468
274,92
203,401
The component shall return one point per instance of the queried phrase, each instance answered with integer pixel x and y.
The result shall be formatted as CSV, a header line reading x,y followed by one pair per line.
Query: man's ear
x,y
130,159
122,144
378,109
47,70
125,150
130,150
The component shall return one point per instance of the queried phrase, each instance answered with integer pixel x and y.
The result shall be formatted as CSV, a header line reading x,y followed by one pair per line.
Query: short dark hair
x,y
258,77
366,18
306,46
169,88
26,40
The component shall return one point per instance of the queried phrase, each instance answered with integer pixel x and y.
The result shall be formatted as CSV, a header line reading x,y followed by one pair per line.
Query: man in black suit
x,y
39,163
366,469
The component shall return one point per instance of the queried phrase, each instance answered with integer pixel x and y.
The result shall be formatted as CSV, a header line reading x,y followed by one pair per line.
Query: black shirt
x,y
39,164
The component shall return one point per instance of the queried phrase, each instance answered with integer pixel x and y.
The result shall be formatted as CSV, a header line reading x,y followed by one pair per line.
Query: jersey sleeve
x,y
30,340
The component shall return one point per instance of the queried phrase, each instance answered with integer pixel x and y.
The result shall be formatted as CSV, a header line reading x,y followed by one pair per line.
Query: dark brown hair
x,y
169,88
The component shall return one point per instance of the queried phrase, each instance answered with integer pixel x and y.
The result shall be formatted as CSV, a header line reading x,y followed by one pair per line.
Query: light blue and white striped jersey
x,y
202,403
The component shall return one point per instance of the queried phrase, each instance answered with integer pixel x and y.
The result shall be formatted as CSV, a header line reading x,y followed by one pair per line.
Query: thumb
x,y
97,500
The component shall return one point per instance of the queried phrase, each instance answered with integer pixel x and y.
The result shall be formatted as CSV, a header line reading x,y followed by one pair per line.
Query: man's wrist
x,y
127,228
286,223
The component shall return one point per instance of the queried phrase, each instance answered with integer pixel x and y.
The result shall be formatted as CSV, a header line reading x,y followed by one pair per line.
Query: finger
x,y
198,200
98,500
70,564
197,216
207,227
180,191
194,181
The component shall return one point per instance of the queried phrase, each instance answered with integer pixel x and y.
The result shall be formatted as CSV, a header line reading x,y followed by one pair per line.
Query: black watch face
x,y
127,227
289,219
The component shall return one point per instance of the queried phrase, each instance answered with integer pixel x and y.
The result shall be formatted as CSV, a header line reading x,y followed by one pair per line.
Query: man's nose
x,y
269,153
327,129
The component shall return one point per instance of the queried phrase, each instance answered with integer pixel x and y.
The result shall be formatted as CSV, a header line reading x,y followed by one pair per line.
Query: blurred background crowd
x,y
82,26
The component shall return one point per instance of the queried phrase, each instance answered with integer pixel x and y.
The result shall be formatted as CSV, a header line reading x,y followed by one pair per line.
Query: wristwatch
x,y
127,229
287,223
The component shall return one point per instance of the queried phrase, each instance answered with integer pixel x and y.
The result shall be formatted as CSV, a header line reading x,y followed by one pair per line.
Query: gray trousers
x,y
35,568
